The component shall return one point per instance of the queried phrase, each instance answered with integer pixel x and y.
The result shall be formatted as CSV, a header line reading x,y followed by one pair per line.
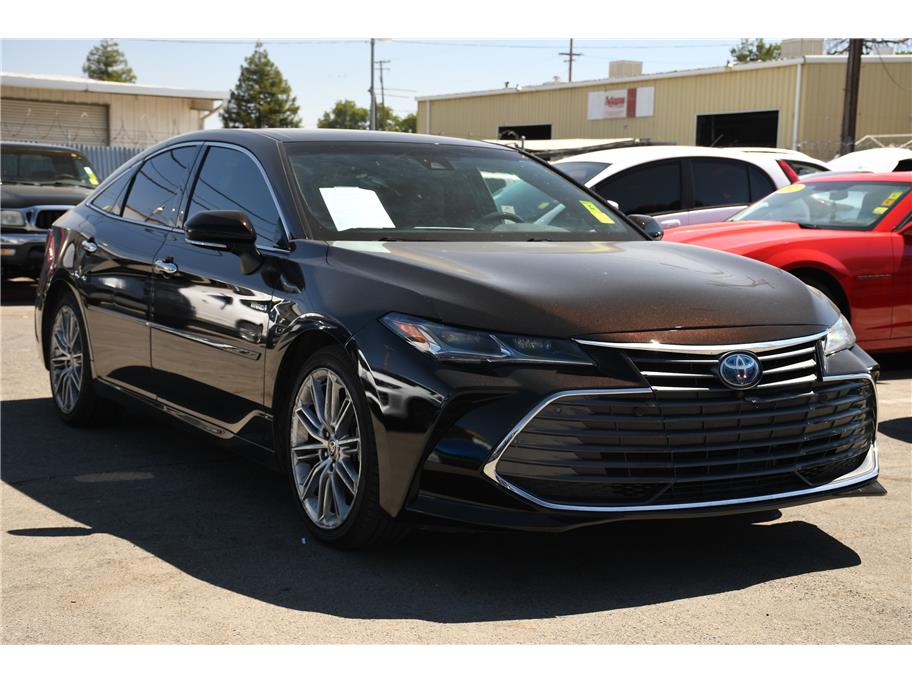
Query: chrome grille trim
x,y
868,470
759,347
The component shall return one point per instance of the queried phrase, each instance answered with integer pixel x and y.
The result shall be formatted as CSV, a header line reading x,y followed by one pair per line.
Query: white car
x,y
680,185
880,160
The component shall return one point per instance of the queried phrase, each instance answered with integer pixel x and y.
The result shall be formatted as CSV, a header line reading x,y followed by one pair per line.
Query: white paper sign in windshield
x,y
353,207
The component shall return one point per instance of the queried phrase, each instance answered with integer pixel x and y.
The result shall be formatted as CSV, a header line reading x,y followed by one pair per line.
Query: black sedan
x,y
369,313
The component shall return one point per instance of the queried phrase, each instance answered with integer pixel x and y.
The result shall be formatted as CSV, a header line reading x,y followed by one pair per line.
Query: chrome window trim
x,y
272,193
758,347
868,470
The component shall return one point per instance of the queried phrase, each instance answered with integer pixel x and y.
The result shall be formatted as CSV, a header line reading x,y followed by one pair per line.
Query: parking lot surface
x,y
143,532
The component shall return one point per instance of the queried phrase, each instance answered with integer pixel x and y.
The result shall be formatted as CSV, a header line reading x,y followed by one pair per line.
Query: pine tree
x,y
106,62
262,97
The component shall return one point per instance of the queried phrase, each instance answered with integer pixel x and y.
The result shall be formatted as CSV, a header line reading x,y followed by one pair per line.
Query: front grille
x,y
44,219
671,371
679,447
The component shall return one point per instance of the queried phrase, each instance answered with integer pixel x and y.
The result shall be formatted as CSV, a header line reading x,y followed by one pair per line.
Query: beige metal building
x,y
795,102
82,111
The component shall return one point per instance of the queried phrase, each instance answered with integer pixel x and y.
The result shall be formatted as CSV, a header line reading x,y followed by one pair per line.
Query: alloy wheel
x,y
325,448
66,355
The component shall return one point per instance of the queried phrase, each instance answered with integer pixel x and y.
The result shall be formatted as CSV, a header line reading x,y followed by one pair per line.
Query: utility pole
x,y
850,105
569,59
373,95
381,68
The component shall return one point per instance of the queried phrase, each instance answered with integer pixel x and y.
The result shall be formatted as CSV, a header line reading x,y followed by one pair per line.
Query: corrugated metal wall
x,y
132,120
54,122
886,105
678,101
105,160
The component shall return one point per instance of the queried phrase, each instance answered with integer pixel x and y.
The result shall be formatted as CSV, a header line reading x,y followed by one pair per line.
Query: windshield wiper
x,y
61,183
806,226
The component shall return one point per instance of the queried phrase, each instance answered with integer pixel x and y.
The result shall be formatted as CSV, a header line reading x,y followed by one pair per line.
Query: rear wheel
x,y
69,368
331,458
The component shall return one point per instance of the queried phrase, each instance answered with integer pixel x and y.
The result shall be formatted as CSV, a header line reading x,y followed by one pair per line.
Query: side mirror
x,y
649,225
220,229
227,231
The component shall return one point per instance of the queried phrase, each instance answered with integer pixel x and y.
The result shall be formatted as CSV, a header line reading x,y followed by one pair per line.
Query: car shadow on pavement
x,y
228,521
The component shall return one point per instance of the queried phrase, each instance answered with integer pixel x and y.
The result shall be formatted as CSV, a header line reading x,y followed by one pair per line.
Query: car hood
x,y
564,289
23,196
746,236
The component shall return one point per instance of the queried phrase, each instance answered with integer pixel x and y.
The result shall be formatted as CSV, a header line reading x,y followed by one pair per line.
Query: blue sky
x,y
323,71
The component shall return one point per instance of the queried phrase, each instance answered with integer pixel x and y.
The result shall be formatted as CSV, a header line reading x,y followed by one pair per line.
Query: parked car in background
x,y
39,184
800,163
850,236
363,312
880,160
680,185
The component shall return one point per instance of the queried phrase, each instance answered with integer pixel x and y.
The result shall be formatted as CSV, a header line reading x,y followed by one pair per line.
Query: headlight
x,y
839,337
10,218
467,345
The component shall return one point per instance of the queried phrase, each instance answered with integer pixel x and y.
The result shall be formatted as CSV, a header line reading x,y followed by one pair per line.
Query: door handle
x,y
673,222
89,245
164,267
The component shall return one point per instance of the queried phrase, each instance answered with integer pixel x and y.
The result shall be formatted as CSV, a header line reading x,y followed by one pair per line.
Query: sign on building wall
x,y
629,103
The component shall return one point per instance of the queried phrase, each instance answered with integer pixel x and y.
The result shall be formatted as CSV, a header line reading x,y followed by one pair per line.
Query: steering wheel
x,y
499,214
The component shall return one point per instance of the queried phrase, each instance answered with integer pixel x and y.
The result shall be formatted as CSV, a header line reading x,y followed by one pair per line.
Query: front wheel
x,y
331,457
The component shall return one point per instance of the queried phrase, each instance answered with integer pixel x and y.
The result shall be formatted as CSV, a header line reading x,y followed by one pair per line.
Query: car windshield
x,y
581,171
46,167
419,191
850,205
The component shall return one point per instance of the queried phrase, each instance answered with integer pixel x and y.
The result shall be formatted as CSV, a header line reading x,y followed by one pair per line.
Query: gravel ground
x,y
147,533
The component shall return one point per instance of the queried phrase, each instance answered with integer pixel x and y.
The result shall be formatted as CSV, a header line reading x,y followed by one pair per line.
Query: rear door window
x,y
651,189
155,196
760,184
720,182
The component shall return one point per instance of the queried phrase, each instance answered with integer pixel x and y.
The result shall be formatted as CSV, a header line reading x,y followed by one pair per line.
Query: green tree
x,y
106,62
345,114
262,97
756,50
409,123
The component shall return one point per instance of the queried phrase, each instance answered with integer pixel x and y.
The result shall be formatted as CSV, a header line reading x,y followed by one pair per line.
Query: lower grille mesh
x,y
674,448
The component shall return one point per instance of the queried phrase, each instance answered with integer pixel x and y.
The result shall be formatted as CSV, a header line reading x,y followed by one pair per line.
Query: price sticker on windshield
x,y
797,187
880,210
92,177
599,214
891,198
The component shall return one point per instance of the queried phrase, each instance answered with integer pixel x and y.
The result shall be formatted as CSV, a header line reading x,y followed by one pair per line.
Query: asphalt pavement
x,y
145,532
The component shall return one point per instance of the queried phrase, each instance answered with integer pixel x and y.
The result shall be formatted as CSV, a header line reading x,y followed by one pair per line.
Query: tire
x,y
824,289
331,461
69,370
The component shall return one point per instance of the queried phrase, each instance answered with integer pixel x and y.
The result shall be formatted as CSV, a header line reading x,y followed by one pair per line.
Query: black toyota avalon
x,y
370,314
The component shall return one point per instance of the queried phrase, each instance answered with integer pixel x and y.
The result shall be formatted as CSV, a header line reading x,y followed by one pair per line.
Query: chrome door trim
x,y
190,336
868,470
697,349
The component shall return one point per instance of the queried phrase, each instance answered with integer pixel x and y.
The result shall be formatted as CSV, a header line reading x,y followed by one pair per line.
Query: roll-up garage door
x,y
34,121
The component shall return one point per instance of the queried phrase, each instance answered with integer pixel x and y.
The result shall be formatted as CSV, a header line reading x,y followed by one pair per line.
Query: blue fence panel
x,y
105,160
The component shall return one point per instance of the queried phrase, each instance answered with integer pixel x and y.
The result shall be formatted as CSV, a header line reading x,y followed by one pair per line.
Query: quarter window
x,y
155,196
720,182
110,199
229,180
651,189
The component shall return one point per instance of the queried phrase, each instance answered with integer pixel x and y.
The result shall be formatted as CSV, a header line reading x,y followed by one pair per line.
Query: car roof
x,y
40,146
323,135
879,159
641,154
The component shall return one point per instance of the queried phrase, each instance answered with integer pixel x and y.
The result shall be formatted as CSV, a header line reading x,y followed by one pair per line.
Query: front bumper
x,y
441,431
22,252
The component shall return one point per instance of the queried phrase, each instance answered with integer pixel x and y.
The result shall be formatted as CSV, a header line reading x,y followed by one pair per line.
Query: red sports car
x,y
850,236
